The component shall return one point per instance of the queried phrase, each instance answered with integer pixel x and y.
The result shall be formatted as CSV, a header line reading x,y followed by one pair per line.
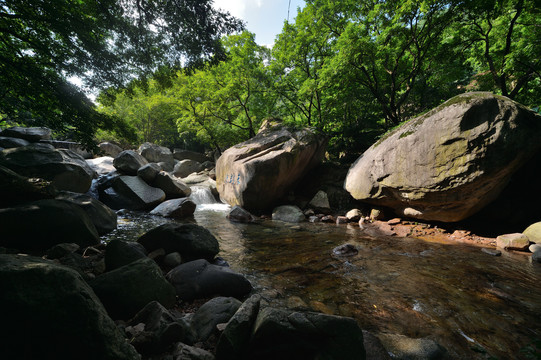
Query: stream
x,y
475,305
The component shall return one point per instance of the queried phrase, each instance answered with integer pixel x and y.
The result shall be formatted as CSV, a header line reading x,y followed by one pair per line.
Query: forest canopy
x,y
351,69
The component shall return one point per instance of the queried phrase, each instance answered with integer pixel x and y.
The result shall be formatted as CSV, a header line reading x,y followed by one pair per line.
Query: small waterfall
x,y
203,198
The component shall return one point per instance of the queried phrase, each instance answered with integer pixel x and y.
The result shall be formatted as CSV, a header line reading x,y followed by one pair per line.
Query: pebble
x,y
492,252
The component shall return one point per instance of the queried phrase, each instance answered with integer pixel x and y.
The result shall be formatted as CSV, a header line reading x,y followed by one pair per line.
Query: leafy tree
x,y
105,43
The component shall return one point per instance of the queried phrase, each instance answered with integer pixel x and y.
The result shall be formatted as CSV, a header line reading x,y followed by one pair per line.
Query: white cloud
x,y
237,7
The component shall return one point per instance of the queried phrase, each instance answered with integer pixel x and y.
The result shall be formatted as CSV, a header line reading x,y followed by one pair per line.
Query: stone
x,y
374,347
110,149
127,289
402,347
50,312
492,252
117,201
138,192
240,215
345,250
172,260
155,154
103,218
533,232
377,214
161,329
187,352
259,172
11,142
128,162
186,167
190,240
199,279
149,172
341,220
16,189
65,169
180,155
175,208
172,186
448,164
320,203
288,213
119,253
236,336
213,312
102,165
37,226
354,215
536,257
60,250
394,221
31,134
534,248
286,334
516,241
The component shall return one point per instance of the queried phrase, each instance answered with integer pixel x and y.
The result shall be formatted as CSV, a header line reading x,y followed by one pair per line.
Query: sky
x,y
264,18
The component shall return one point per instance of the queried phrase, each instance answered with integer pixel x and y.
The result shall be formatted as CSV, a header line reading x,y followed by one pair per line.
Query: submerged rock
x,y
449,163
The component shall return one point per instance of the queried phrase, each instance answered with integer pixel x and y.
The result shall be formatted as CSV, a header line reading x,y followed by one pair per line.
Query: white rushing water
x,y
205,200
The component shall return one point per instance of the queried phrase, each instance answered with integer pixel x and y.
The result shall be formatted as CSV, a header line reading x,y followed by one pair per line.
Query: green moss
x,y
406,133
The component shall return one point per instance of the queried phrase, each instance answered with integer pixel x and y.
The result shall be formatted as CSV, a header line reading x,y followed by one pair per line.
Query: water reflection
x,y
476,305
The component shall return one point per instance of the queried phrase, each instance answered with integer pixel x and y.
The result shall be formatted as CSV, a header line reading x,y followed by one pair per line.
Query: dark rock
x,y
189,155
175,208
186,167
138,192
402,347
213,312
11,142
235,338
31,134
119,253
51,313
127,289
117,201
199,279
240,215
37,226
103,218
149,172
345,250
173,187
341,220
288,213
128,162
320,203
284,334
61,250
172,260
16,189
187,352
190,240
65,169
374,347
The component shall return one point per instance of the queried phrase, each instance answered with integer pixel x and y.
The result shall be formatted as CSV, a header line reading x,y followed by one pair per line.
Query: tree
x,y
106,43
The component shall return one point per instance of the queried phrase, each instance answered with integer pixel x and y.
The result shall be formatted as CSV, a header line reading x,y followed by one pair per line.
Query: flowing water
x,y
475,305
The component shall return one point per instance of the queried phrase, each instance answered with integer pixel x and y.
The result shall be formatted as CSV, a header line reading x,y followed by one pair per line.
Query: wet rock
x,y
284,334
374,347
61,250
536,256
213,312
175,208
110,149
127,289
200,279
119,253
65,169
128,162
533,232
320,203
173,187
103,218
288,213
161,329
341,220
189,155
354,215
31,134
37,226
102,165
154,154
448,164
240,215
345,250
259,172
149,172
492,252
51,313
402,347
534,248
186,167
191,241
138,193
11,142
516,241
314,219
235,338
328,219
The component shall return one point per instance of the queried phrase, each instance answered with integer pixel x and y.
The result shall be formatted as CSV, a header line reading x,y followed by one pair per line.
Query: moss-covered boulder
x,y
449,163
255,174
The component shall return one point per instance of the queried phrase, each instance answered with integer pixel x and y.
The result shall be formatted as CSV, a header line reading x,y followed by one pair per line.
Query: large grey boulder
x,y
110,149
288,213
119,253
65,169
103,218
255,174
215,311
129,161
139,194
190,240
173,187
449,163
11,142
129,288
285,334
37,226
186,167
199,279
49,312
31,134
175,208
149,172
156,154
180,155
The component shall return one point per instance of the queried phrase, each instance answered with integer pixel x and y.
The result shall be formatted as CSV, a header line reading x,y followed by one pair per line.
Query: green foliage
x,y
105,43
